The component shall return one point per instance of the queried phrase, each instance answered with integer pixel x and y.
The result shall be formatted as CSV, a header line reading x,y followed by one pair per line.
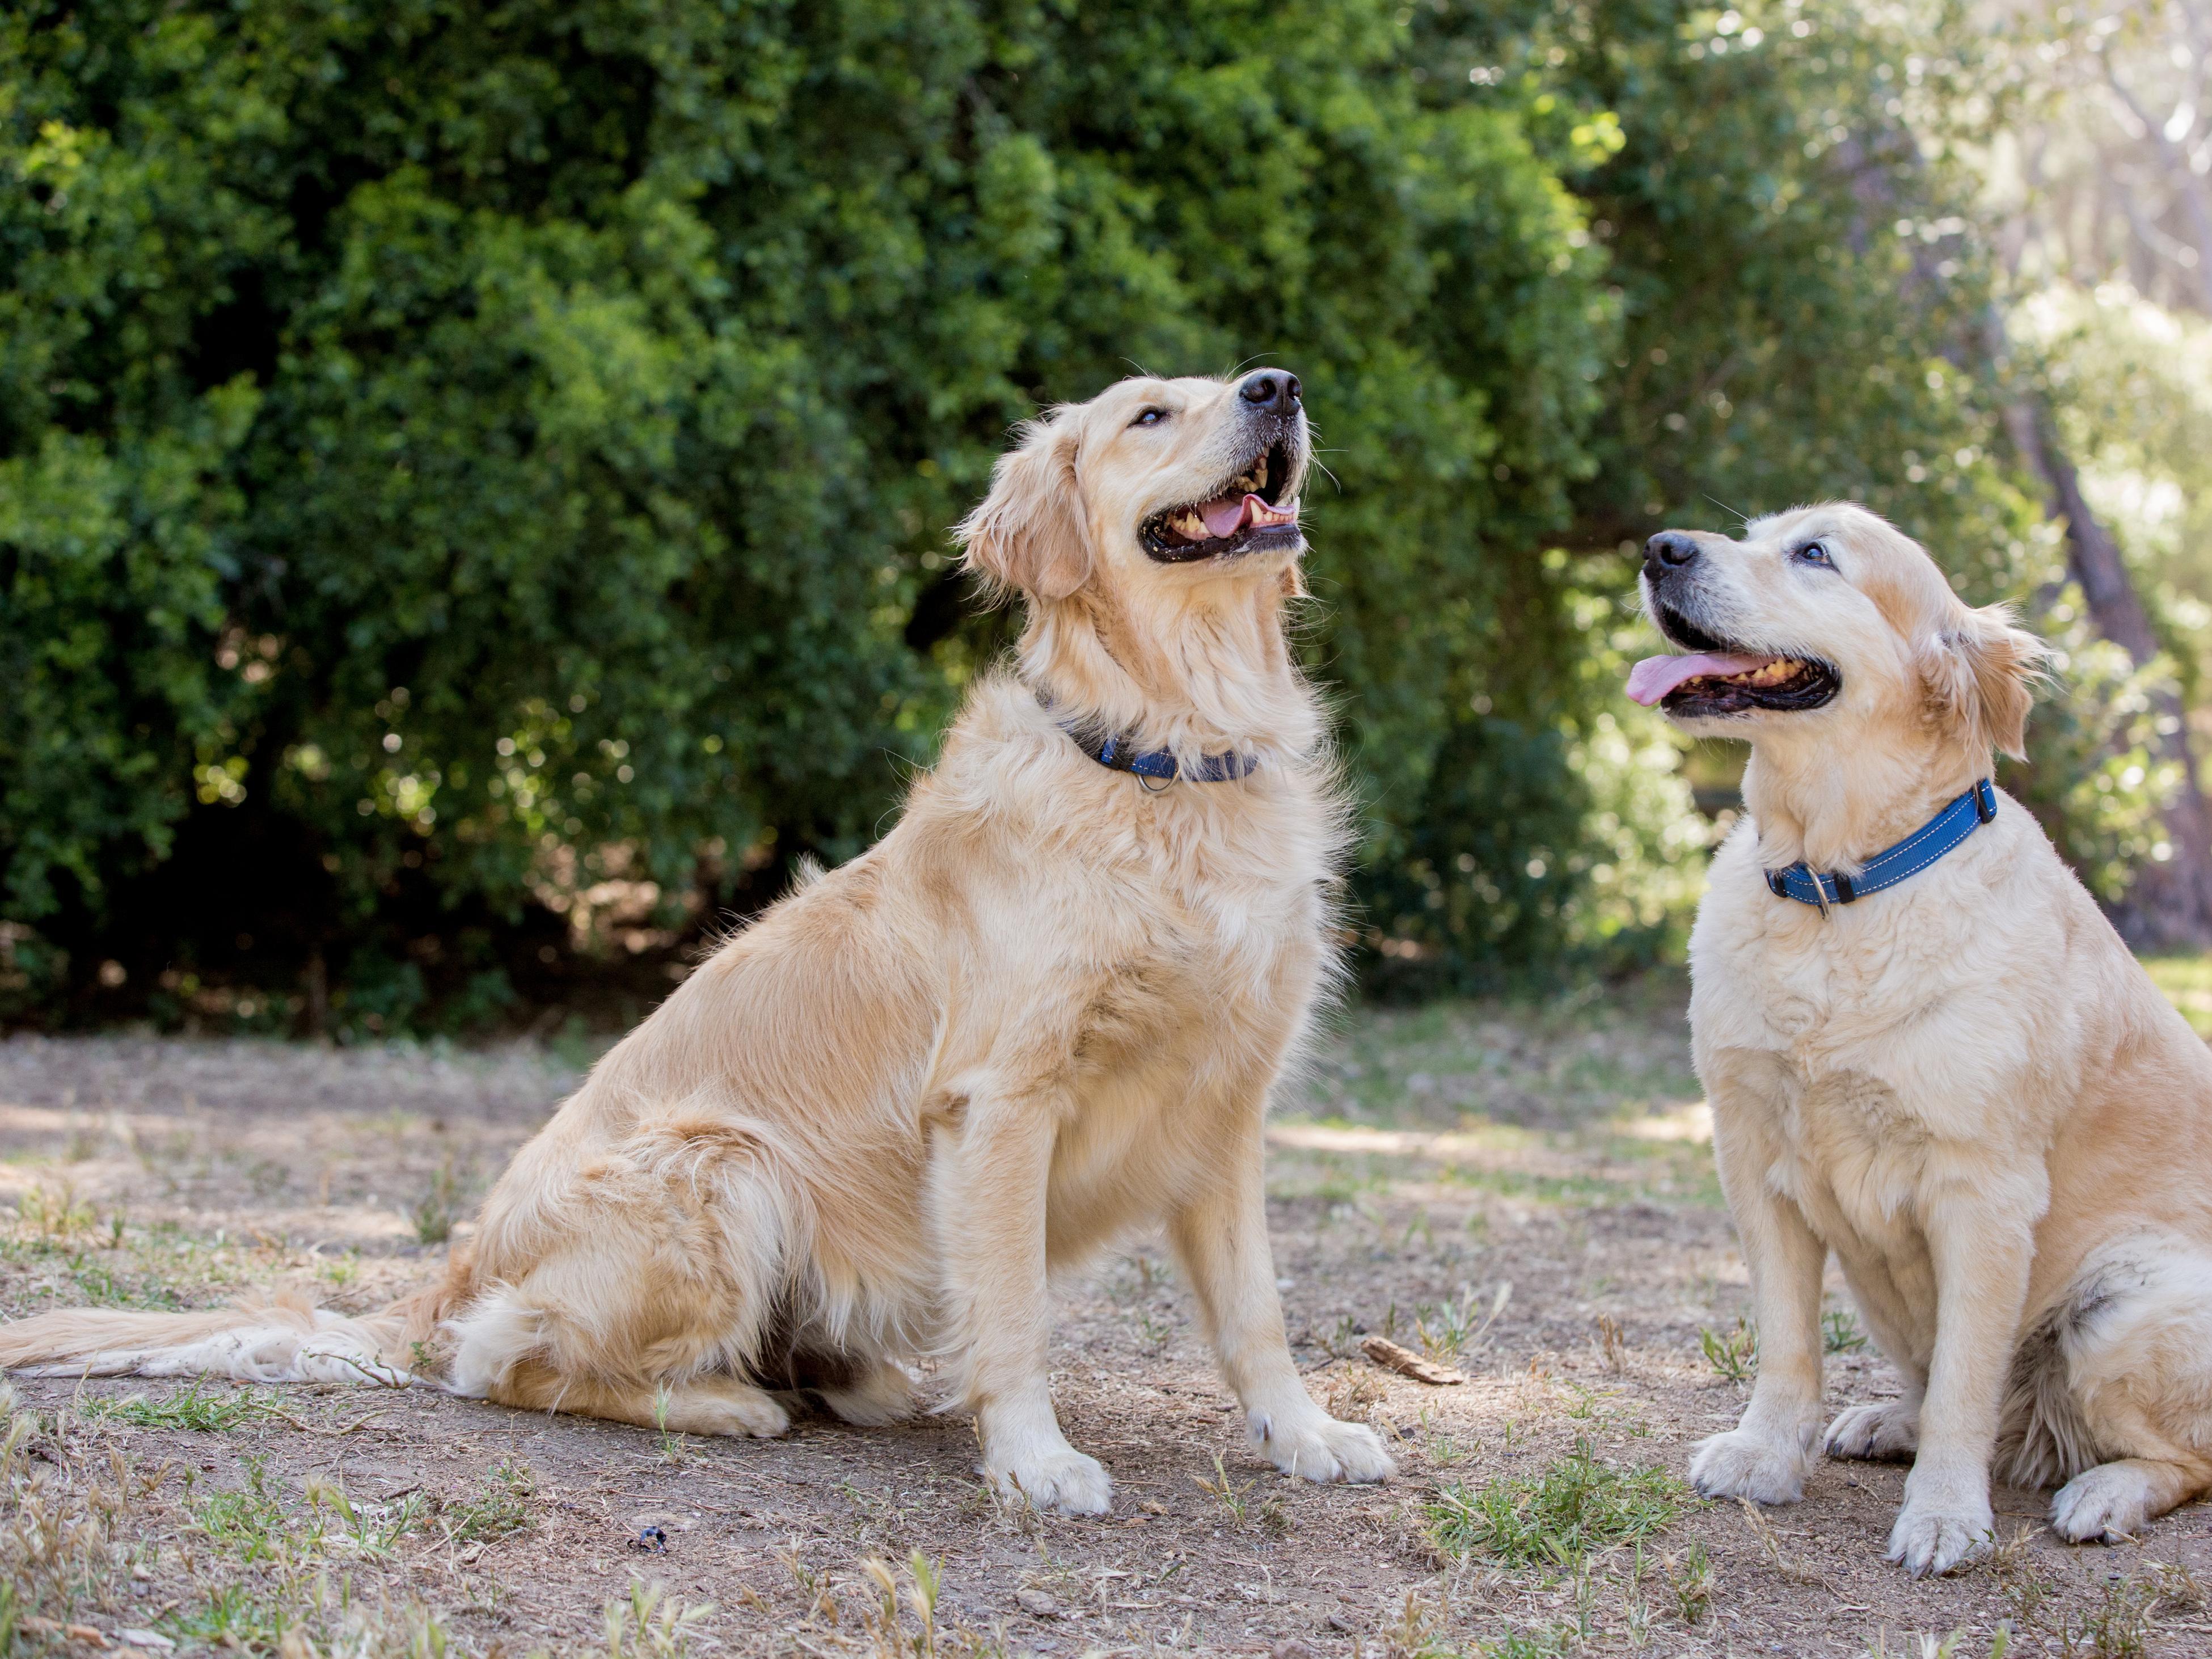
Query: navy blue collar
x,y
1119,754
1892,865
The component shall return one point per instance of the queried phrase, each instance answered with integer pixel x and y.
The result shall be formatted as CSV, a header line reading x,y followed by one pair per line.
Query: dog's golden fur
x,y
1964,1086
1050,1006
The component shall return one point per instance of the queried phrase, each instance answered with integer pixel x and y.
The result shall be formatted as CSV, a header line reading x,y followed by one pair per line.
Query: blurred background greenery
x,y
474,477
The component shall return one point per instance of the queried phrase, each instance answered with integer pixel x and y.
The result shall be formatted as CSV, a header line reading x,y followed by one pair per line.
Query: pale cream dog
x,y
1963,1086
1048,1008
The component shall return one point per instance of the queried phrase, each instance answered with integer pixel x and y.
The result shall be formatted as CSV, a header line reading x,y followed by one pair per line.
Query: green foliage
x,y
458,462
1803,316
2132,383
2126,382
1734,1353
459,455
1557,1519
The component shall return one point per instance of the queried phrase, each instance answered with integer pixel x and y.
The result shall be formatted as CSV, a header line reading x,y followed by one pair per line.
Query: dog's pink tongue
x,y
1226,516
1655,677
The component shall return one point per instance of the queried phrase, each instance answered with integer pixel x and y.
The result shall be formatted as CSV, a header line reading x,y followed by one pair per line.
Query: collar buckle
x,y
1942,833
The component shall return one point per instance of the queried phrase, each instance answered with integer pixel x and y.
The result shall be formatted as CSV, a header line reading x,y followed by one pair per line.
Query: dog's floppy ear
x,y
1981,673
1027,532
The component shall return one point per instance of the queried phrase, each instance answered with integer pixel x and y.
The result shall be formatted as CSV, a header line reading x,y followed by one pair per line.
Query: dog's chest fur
x,y
1860,1061
1218,954
1217,918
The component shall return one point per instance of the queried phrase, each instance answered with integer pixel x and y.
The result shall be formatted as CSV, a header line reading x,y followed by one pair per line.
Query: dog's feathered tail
x,y
278,1338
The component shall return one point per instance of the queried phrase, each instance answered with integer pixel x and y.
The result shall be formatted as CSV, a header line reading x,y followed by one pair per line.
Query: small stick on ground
x,y
1404,1361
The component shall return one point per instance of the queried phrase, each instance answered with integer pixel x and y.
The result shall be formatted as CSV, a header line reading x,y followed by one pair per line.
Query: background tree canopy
x,y
474,477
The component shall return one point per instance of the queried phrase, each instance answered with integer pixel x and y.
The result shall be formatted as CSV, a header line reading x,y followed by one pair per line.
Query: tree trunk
x,y
2170,904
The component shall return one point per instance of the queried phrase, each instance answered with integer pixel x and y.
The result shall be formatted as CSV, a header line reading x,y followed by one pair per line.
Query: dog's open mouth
x,y
1248,514
1717,678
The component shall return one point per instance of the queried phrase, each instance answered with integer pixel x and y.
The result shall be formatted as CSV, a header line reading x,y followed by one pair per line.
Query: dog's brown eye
x,y
1150,417
1816,553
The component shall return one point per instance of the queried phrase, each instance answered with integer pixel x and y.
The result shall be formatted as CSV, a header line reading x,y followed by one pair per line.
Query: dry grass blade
x,y
1770,1546
1404,1361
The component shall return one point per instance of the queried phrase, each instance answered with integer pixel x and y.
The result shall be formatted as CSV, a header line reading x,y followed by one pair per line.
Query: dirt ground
x,y
1523,1192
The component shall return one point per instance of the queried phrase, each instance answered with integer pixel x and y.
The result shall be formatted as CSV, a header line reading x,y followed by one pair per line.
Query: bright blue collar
x,y
1120,755
1887,868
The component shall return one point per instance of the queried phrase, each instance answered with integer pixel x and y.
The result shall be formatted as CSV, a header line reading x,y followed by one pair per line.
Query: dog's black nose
x,y
1670,550
1271,388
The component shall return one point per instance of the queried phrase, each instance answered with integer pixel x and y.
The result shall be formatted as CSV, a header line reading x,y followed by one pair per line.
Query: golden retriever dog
x,y
1048,1008
1961,1084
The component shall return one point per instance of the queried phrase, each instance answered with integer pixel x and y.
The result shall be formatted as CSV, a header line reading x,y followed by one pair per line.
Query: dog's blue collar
x,y
1121,755
1887,868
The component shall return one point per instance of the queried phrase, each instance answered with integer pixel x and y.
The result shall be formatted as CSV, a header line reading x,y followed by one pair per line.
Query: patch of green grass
x,y
55,1215
1547,1643
253,1523
1840,1332
1544,1188
231,1617
1734,1353
199,1408
1576,1506
1690,1581
100,1285
1446,1332
247,1522
500,1506
1576,1056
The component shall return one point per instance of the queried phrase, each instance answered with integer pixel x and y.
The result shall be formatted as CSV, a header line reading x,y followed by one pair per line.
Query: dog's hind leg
x,y
859,1385
703,1404
883,1393
2134,1338
2113,1502
640,1289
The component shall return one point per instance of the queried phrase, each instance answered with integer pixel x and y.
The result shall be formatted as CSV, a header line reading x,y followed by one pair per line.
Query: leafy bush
x,y
473,478
456,458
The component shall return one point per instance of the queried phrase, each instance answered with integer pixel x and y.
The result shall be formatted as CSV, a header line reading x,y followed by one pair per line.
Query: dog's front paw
x,y
1740,1464
1941,1529
1064,1481
1322,1448
1887,1430
2109,1503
